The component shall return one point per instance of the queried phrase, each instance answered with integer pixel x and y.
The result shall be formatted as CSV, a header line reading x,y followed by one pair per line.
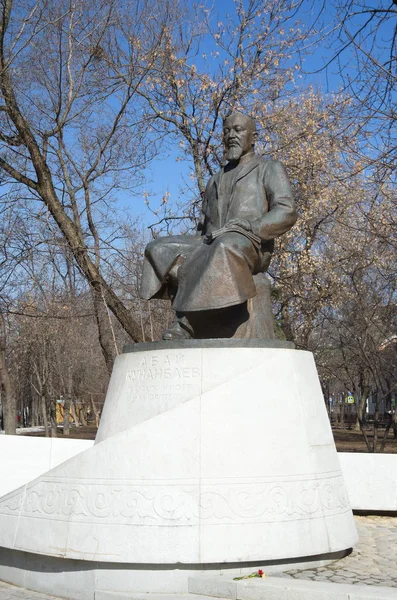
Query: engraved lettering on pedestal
x,y
162,379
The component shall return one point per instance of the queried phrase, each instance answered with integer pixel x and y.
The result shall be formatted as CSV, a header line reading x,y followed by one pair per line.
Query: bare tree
x,y
363,52
69,129
9,404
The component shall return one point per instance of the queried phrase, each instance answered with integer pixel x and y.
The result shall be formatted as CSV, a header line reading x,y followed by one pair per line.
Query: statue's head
x,y
239,135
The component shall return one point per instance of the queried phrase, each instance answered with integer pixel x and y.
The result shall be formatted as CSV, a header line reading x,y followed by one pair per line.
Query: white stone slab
x,y
23,458
136,596
279,588
220,587
371,480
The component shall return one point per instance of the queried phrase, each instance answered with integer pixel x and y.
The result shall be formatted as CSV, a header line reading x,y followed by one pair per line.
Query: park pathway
x,y
372,562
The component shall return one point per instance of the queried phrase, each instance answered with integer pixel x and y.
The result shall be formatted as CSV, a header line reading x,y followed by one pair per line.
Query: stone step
x,y
280,588
269,588
141,596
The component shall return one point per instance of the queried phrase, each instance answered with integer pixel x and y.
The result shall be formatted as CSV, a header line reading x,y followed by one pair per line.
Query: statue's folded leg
x,y
161,255
218,275
214,283
209,283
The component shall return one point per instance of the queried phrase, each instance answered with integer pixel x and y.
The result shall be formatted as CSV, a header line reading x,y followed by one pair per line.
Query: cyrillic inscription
x,y
162,367
163,379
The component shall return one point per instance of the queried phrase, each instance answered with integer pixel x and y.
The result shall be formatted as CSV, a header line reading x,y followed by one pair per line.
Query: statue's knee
x,y
150,249
231,242
221,243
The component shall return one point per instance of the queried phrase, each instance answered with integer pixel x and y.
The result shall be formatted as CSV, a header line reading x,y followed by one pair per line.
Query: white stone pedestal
x,y
206,457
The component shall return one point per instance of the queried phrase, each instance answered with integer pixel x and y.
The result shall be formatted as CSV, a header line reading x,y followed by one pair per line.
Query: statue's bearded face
x,y
238,136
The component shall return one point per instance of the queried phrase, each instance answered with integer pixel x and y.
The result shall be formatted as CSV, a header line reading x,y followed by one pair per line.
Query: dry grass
x,y
353,441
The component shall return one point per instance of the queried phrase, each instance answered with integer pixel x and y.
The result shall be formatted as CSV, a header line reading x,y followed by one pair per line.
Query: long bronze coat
x,y
219,274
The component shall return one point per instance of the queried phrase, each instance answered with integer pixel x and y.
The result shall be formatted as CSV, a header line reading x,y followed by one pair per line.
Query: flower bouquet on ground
x,y
258,573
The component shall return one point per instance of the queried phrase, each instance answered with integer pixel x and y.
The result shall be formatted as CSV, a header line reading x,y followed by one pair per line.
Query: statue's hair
x,y
250,119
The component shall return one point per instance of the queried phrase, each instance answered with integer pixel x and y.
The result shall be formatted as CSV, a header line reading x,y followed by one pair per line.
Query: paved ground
x,y
373,562
10,592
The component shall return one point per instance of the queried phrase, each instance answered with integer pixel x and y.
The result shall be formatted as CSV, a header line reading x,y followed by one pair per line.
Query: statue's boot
x,y
179,330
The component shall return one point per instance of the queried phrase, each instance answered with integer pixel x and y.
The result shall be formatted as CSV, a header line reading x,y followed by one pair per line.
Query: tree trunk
x,y
35,420
361,404
105,332
96,413
66,414
286,323
386,434
9,400
44,414
362,395
9,405
82,415
53,417
67,403
375,442
394,423
74,415
342,414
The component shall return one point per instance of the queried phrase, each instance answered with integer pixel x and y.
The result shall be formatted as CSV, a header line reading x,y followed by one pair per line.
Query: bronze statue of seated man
x,y
210,277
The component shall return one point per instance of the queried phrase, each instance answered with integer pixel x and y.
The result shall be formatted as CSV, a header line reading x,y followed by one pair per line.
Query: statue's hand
x,y
241,223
